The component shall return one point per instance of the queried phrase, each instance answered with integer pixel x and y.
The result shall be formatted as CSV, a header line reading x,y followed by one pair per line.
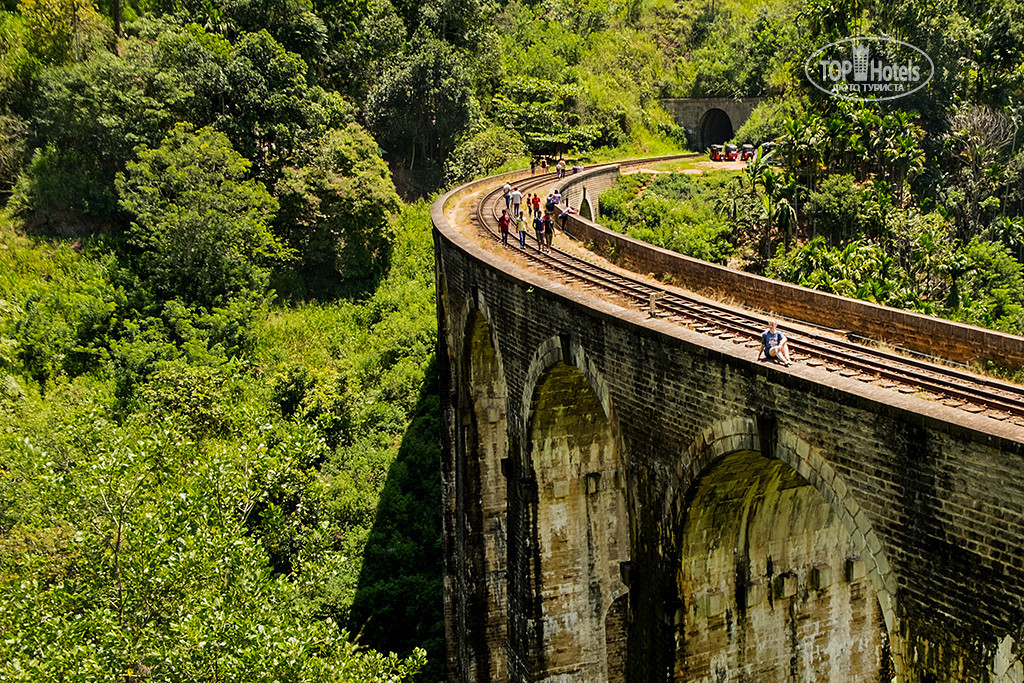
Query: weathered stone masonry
x,y
627,500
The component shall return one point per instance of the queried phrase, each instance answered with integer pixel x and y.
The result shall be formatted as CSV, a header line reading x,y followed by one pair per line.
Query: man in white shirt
x,y
517,199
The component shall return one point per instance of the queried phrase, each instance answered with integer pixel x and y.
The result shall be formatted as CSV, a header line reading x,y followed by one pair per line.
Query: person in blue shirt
x,y
775,343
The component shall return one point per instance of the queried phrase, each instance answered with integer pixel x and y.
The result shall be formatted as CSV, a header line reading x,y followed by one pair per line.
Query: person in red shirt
x,y
536,204
503,222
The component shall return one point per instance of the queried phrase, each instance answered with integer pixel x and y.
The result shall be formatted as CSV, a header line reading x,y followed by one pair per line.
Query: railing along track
x,y
955,387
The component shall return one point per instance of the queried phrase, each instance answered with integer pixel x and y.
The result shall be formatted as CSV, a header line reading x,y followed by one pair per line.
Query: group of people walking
x,y
542,164
520,209
774,343
543,227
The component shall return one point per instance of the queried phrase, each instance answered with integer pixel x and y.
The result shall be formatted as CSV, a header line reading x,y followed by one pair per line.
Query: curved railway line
x,y
950,385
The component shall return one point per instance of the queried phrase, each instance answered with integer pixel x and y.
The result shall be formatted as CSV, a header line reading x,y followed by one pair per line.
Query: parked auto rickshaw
x,y
731,152
717,153
746,152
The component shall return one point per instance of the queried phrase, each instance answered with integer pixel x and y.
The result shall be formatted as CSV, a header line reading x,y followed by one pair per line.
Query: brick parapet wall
x,y
925,334
936,493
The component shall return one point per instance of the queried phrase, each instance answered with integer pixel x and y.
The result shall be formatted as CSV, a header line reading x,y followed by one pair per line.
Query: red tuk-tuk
x,y
717,153
731,152
746,152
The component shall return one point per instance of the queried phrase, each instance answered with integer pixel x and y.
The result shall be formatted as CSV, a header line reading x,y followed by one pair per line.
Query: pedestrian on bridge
x,y
517,200
521,228
775,344
503,222
563,217
507,191
538,229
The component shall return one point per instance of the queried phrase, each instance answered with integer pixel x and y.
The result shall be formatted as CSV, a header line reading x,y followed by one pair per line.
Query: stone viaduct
x,y
630,500
711,120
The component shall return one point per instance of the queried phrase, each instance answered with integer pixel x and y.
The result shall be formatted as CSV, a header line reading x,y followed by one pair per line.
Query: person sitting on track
x,y
775,344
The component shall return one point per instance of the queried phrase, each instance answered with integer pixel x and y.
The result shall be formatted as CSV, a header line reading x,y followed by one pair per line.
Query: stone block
x,y
559,488
786,585
820,577
755,594
855,569
716,604
874,545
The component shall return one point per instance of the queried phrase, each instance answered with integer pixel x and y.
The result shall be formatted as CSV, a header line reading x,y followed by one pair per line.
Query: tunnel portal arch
x,y
715,128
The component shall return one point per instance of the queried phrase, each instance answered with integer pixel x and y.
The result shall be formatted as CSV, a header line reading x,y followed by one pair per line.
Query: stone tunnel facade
x,y
628,500
711,120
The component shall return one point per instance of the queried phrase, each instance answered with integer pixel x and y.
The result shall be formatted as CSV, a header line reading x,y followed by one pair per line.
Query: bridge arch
x,y
481,505
773,548
573,453
586,211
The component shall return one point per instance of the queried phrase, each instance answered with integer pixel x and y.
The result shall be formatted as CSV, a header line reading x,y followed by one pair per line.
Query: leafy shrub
x,y
841,209
481,152
336,210
201,227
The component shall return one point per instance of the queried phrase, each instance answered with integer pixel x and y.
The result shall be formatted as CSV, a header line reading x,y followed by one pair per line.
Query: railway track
x,y
811,344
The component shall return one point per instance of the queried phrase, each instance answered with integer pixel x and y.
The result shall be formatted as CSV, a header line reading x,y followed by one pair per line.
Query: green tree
x,y
482,152
60,31
336,210
201,227
543,113
88,118
421,106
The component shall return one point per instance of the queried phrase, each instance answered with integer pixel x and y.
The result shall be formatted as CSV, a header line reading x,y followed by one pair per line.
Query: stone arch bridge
x,y
630,500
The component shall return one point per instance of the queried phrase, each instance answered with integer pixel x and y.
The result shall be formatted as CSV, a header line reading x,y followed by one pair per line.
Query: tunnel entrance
x,y
771,583
581,530
715,128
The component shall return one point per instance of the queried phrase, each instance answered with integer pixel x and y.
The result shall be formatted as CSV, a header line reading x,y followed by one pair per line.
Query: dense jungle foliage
x,y
218,402
916,203
219,451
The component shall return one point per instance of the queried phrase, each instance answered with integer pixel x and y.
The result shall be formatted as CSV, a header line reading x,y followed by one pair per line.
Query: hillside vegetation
x,y
916,203
218,402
